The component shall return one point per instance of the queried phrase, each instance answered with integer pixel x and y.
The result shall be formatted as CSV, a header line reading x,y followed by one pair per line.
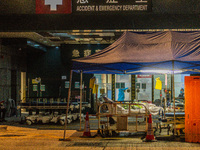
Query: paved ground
x,y
14,135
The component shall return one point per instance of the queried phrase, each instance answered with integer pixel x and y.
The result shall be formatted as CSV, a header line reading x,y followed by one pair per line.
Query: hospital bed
x,y
170,124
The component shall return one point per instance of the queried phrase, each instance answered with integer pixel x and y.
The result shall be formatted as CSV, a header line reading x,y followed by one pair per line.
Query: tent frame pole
x,y
69,95
81,96
173,97
161,97
165,95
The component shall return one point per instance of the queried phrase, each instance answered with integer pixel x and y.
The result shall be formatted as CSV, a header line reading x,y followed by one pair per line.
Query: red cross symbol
x,y
53,4
53,7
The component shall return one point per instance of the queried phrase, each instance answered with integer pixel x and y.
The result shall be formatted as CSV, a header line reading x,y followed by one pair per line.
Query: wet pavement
x,y
15,135
12,137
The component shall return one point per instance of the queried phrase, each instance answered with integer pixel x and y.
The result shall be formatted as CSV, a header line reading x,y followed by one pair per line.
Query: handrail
x,y
115,105
115,112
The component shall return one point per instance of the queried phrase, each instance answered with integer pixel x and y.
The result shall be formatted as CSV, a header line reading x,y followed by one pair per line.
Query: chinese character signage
x,y
87,52
75,53
53,7
74,6
98,50
82,1
99,6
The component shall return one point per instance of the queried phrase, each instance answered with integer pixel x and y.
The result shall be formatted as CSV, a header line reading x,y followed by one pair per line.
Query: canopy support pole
x,y
165,95
69,95
161,98
81,97
173,92
96,98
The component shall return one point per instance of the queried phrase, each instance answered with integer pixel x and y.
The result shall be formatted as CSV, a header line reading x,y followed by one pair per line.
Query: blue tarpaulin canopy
x,y
146,52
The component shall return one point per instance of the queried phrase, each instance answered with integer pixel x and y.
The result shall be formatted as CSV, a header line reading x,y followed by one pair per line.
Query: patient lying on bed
x,y
135,109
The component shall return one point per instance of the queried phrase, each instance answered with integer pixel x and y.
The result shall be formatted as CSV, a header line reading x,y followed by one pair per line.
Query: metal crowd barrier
x,y
116,110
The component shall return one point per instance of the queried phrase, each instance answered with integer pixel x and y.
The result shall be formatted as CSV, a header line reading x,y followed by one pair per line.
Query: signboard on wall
x,y
144,76
102,6
77,85
42,88
63,77
35,88
53,6
76,53
36,80
66,84
73,6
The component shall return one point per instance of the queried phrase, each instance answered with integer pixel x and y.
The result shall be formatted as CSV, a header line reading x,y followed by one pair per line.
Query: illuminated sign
x,y
53,7
75,6
83,53
75,53
88,6
82,1
98,50
53,4
87,53
111,1
144,76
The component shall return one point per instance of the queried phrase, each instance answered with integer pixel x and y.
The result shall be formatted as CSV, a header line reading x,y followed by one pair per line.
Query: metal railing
x,y
116,110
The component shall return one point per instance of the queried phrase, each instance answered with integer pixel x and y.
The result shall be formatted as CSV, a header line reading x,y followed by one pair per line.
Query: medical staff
x,y
121,94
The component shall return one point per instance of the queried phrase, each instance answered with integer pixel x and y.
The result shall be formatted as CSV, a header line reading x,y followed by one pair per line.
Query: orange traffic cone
x,y
86,132
150,135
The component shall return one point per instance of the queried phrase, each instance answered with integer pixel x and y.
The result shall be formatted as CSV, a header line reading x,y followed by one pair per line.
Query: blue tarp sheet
x,y
146,52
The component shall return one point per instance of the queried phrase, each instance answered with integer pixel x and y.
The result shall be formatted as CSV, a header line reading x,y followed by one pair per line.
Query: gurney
x,y
168,123
122,113
137,108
